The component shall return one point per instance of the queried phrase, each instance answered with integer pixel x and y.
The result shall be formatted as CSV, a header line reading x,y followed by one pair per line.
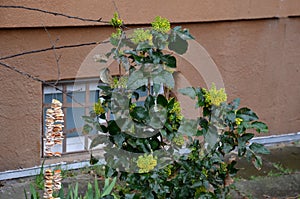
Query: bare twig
x,y
116,8
39,80
57,57
56,14
51,48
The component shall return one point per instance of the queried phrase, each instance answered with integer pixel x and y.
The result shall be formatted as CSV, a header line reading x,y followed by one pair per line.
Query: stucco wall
x,y
143,11
259,60
20,121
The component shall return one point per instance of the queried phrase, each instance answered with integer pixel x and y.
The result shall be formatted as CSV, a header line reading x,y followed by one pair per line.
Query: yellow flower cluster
x,y
141,35
119,83
178,140
161,24
177,110
146,163
238,121
116,21
214,96
98,108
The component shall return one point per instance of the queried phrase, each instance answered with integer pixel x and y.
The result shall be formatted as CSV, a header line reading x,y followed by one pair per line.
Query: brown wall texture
x,y
255,44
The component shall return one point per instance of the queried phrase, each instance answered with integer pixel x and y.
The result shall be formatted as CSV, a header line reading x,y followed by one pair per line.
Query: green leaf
x,y
260,127
211,136
33,192
89,193
93,160
102,128
259,148
183,33
105,88
235,103
108,187
246,114
166,78
97,189
179,46
246,137
87,129
161,100
158,116
108,197
169,61
136,80
159,40
188,127
130,196
177,28
200,96
149,102
189,91
139,113
113,127
171,104
257,162
143,46
75,191
119,139
61,193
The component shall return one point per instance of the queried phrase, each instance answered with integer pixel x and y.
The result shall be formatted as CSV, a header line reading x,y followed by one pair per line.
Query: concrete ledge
x,y
275,139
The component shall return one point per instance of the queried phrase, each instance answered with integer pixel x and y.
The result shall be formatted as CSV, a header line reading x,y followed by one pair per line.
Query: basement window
x,y
77,100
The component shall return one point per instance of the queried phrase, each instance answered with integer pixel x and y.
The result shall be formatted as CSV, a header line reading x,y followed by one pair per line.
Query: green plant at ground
x,y
39,179
282,169
93,192
273,174
33,193
150,146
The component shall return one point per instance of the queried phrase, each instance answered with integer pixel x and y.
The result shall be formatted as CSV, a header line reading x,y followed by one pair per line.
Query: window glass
x,y
74,122
48,97
79,96
94,96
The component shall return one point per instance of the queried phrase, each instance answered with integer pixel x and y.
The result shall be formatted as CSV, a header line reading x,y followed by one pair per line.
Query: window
x,y
78,99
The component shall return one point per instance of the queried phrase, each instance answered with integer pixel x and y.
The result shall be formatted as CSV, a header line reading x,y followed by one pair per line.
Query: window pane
x,y
79,96
48,97
74,123
94,96
75,144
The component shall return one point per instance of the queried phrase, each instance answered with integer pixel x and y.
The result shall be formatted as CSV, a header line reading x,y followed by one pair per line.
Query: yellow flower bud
x,y
238,121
